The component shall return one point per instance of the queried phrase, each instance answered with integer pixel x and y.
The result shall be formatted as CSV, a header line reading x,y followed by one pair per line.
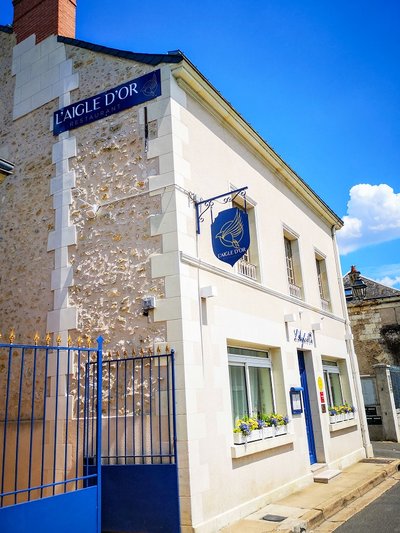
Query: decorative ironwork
x,y
11,337
58,340
36,338
209,203
48,339
247,269
35,453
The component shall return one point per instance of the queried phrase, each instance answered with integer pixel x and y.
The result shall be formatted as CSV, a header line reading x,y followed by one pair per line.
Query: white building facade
x,y
103,215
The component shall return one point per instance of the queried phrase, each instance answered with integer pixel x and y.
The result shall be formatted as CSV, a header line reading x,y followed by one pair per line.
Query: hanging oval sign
x,y
230,235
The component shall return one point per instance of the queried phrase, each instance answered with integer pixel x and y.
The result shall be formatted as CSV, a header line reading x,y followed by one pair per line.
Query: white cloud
x,y
386,274
373,216
390,282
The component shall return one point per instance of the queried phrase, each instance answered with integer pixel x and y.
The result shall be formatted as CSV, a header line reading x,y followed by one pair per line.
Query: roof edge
x,y
193,81
148,59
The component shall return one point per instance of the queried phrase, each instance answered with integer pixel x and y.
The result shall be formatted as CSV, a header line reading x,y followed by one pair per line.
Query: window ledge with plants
x,y
253,435
341,417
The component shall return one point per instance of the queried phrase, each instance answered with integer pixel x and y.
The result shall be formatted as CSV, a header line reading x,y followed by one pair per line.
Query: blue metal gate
x,y
45,485
139,460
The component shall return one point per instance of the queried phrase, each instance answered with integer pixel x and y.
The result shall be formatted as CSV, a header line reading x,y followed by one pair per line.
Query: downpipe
x,y
352,355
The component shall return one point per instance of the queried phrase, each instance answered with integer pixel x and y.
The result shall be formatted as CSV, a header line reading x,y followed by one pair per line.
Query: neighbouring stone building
x,y
375,324
99,214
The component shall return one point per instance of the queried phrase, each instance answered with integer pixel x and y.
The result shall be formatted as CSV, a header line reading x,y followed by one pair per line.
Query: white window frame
x,y
249,264
322,278
246,361
294,274
329,367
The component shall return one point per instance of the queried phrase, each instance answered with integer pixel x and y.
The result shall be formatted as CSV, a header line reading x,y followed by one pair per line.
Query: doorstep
x,y
326,476
306,509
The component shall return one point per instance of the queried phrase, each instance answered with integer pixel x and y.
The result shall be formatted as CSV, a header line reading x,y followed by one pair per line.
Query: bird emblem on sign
x,y
150,87
230,235
231,232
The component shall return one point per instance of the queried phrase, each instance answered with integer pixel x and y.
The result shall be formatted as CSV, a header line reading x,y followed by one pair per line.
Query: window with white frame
x,y
333,384
322,282
248,264
250,382
293,269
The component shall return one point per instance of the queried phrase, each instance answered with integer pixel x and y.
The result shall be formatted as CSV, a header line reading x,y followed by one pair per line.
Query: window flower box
x,y
268,432
341,413
258,428
280,430
239,438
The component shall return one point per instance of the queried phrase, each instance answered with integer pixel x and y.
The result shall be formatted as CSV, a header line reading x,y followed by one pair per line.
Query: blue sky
x,y
319,81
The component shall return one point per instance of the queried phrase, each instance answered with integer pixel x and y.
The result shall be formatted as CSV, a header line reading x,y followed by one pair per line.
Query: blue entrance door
x,y
307,408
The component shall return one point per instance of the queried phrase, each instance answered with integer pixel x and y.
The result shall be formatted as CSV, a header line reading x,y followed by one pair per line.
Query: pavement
x,y
323,507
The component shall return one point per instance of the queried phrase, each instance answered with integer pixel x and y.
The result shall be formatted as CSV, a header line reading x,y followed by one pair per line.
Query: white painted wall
x,y
206,159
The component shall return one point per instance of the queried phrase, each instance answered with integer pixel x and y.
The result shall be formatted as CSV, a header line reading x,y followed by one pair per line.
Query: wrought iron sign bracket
x,y
203,206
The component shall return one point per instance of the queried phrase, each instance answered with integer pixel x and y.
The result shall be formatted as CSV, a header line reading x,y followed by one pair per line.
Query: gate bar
x,y
99,424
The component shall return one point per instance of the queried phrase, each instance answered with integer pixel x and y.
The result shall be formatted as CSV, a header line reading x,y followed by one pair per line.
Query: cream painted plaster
x,y
207,161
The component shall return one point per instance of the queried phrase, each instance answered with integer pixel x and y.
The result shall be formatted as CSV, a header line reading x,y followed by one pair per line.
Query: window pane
x,y
238,392
260,390
369,391
336,389
245,351
328,389
289,261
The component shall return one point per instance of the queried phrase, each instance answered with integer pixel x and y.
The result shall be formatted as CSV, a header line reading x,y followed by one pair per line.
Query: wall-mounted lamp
x,y
208,292
317,326
148,303
291,317
359,288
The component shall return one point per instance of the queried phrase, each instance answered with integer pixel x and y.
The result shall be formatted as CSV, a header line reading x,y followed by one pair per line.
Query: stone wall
x,y
27,214
111,259
367,320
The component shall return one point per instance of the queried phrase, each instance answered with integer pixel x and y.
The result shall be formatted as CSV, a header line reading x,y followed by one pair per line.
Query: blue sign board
x,y
102,105
230,235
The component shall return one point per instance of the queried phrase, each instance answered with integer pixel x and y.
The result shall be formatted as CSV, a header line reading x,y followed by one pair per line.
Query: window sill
x,y
243,450
342,425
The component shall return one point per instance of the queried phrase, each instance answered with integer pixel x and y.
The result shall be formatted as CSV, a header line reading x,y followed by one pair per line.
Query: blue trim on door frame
x,y
307,407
